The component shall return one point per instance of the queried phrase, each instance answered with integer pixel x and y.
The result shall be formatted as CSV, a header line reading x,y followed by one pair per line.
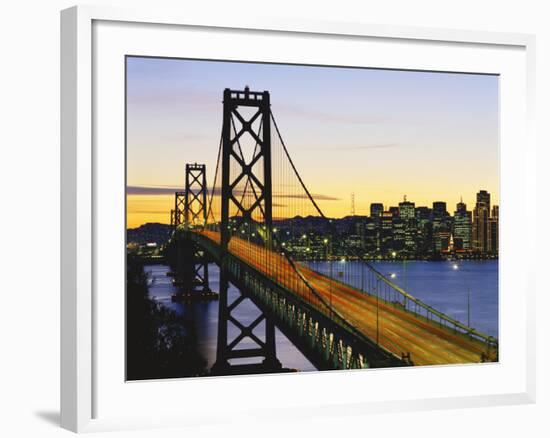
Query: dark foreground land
x,y
159,343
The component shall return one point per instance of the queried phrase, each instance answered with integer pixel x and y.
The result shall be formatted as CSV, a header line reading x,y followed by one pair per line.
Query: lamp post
x,y
377,311
468,306
468,297
327,255
404,269
393,254
405,280
393,275
362,276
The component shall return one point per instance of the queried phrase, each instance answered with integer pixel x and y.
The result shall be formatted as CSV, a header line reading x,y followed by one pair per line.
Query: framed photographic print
x,y
257,209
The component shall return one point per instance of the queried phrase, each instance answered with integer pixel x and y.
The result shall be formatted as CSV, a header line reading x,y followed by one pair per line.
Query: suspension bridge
x,y
259,222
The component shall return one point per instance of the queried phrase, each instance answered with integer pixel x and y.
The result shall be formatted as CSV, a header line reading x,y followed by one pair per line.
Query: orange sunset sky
x,y
379,134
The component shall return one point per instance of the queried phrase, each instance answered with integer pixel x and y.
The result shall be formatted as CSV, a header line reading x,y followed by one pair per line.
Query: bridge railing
x,y
302,291
390,292
279,266
432,313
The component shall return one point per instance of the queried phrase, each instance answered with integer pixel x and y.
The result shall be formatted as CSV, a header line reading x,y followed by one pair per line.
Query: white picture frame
x,y
81,170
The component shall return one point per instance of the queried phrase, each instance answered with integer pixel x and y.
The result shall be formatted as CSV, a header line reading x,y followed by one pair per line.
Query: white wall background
x,y
29,215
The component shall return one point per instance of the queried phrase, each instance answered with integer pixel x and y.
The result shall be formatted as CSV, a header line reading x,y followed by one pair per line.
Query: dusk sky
x,y
380,134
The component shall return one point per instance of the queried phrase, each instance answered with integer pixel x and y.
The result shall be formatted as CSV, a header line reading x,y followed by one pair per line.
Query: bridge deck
x,y
400,331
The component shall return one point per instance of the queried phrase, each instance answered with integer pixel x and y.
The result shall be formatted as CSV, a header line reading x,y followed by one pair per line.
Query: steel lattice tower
x,y
190,211
233,158
195,194
179,209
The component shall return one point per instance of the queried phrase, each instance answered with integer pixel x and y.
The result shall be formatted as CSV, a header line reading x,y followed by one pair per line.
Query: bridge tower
x,y
179,209
190,211
235,167
195,195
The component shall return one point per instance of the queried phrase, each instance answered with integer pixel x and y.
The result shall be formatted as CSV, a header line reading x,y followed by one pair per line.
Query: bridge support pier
x,y
192,277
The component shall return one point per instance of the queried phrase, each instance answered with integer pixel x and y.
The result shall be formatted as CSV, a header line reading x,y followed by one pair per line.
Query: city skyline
x,y
165,202
376,132
405,231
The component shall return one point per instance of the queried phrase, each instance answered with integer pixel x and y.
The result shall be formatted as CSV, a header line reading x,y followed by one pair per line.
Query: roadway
x,y
399,331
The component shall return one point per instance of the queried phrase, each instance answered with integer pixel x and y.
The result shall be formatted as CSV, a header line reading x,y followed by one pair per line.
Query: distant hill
x,y
160,233
148,233
342,225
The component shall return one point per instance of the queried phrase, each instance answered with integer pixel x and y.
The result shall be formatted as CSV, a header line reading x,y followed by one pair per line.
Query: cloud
x,y
152,190
316,196
149,212
170,190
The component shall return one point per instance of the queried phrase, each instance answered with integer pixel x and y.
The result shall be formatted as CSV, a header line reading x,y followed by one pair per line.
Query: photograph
x,y
285,218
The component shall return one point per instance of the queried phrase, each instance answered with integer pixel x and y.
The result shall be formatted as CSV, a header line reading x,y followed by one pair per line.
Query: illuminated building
x,y
462,227
406,209
492,231
480,222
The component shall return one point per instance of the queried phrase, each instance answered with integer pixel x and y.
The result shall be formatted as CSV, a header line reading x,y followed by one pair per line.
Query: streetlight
x,y
329,258
468,293
362,267
468,306
404,269
377,310
325,242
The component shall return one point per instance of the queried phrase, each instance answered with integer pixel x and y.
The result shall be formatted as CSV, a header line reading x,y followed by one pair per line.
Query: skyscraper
x,y
441,226
439,209
492,232
480,222
386,232
376,210
442,239
406,209
424,237
407,213
423,213
484,196
399,233
462,227
461,207
371,239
